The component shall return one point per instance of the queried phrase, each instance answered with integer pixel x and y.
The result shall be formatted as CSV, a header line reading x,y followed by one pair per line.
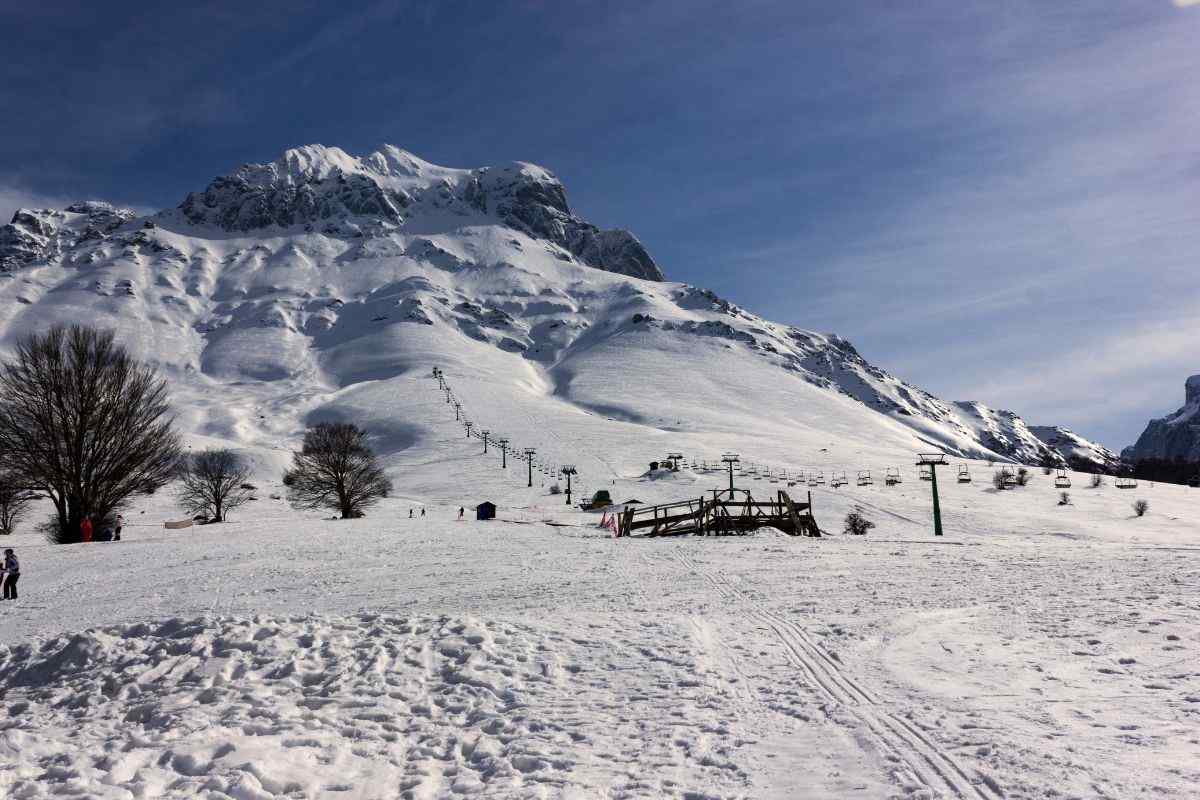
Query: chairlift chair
x,y
837,480
892,476
964,474
1126,483
1008,477
1062,480
820,478
864,477
925,473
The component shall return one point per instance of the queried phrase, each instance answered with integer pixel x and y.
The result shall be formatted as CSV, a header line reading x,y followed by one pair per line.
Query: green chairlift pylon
x,y
933,461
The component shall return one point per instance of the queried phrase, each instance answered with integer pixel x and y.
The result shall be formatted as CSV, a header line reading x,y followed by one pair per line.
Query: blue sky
x,y
996,201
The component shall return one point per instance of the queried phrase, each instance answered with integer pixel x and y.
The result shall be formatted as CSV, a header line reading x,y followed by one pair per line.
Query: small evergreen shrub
x,y
857,524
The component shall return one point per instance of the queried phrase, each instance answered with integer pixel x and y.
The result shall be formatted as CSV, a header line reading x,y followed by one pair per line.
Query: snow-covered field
x,y
1035,651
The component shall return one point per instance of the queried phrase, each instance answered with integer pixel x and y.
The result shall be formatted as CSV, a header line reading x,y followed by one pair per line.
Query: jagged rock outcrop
x,y
1176,436
37,235
531,198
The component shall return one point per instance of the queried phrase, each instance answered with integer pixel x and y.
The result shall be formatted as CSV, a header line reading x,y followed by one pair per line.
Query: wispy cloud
x,y
1040,252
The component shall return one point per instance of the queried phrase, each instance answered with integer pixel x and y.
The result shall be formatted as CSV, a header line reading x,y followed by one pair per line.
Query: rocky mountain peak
x,y
1175,435
1191,390
326,190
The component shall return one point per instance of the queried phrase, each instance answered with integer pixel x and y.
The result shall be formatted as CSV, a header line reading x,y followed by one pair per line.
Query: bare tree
x,y
213,483
1140,507
336,469
83,424
14,502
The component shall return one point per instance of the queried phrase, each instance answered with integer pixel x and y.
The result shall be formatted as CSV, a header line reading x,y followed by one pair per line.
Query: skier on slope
x,y
461,511
85,528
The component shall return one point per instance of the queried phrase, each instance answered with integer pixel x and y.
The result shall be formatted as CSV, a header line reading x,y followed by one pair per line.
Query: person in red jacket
x,y
85,529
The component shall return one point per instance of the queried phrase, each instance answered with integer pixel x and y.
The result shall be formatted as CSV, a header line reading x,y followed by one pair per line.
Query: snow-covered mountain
x,y
319,283
1175,435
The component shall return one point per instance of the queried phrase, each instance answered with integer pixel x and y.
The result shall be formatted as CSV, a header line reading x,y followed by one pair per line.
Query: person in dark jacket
x,y
120,524
12,571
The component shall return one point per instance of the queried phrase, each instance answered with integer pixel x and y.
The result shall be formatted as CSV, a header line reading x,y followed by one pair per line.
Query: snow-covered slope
x,y
301,288
1175,435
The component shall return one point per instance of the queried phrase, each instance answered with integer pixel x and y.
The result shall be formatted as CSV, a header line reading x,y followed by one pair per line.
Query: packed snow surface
x,y
1035,651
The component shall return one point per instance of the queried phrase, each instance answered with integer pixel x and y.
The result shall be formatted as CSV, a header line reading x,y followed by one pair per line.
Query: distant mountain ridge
x,y
308,275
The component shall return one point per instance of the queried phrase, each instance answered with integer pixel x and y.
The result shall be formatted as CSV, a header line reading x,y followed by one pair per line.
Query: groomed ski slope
x,y
1035,651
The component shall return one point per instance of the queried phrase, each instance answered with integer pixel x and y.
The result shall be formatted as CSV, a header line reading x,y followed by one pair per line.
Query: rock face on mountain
x,y
327,190
44,235
320,270
1176,436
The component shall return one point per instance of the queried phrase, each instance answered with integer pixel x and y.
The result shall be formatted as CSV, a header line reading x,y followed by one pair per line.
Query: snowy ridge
x,y
1079,452
299,288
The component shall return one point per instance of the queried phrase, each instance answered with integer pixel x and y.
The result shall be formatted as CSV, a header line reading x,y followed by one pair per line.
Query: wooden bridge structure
x,y
727,512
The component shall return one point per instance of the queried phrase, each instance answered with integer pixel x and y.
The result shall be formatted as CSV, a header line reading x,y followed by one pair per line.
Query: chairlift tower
x,y
674,459
457,411
529,451
730,459
484,436
468,424
503,453
569,470
933,461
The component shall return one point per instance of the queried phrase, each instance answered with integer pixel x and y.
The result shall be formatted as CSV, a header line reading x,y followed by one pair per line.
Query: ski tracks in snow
x,y
927,766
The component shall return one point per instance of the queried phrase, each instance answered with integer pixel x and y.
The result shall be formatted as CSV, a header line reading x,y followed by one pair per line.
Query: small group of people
x,y
10,573
92,527
461,511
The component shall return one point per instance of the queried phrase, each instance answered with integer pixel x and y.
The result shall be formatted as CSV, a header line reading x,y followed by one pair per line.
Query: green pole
x,y
937,508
